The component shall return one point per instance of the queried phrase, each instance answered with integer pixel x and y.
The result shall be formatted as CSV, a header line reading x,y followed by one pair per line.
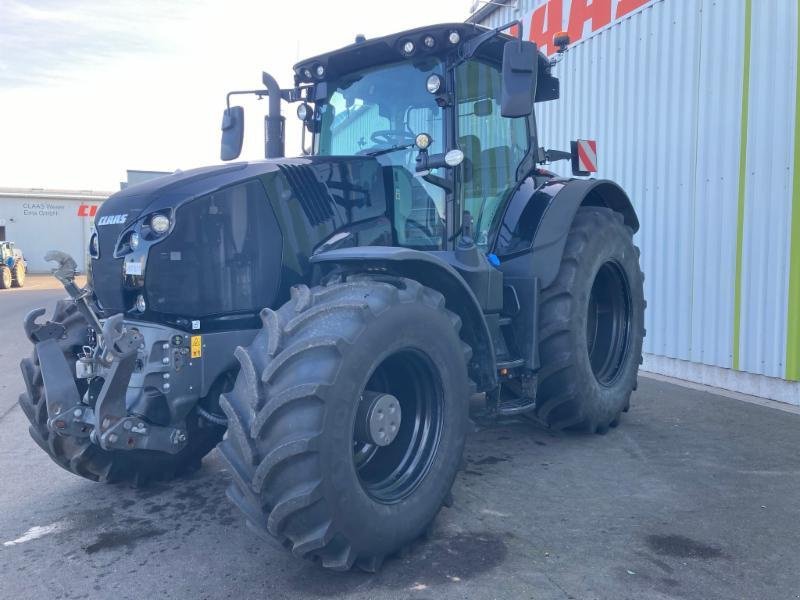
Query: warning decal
x,y
587,156
197,346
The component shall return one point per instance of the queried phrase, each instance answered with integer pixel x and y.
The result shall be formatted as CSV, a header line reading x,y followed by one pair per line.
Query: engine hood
x,y
330,192
170,191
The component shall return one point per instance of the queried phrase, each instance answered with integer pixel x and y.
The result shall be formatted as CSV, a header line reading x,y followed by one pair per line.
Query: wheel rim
x,y
7,277
20,275
388,474
608,323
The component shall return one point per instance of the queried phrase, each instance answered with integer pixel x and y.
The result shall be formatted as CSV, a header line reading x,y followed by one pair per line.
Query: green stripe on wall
x,y
793,319
737,285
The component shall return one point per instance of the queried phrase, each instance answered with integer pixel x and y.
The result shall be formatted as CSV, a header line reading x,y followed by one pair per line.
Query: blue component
x,y
10,262
493,260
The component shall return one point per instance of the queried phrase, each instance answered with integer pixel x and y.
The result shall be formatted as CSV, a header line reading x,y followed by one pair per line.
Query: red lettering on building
x,y
547,20
628,6
545,23
583,11
87,210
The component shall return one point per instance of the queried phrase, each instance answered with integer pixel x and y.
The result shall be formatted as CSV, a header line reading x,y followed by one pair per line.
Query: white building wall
x,y
39,221
661,89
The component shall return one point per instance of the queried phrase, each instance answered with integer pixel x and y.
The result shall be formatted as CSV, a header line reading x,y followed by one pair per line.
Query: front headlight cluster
x,y
150,228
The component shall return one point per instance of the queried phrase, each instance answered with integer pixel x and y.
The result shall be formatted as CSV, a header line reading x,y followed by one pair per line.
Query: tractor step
x,y
511,364
517,406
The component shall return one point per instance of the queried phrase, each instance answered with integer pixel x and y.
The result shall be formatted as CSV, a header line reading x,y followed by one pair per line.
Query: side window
x,y
493,146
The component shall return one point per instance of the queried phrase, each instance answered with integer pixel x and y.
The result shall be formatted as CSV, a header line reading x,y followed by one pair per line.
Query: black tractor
x,y
329,320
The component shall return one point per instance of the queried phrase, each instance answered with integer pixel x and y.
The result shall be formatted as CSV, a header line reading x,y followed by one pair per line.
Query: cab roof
x,y
389,48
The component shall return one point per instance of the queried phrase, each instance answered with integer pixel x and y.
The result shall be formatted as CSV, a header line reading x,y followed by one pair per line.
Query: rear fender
x,y
433,272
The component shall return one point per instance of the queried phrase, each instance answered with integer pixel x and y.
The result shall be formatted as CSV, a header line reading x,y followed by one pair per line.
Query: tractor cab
x,y
423,103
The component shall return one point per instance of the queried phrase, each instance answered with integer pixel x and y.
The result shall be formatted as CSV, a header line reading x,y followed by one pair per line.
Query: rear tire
x,y
591,326
298,473
82,457
5,277
18,275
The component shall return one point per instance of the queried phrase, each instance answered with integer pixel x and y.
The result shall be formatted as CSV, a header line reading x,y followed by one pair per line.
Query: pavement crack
x,y
8,411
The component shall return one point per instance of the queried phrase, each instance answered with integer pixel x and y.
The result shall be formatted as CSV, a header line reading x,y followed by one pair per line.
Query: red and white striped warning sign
x,y
587,156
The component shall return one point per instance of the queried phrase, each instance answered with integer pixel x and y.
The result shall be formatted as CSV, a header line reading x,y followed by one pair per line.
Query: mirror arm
x,y
471,46
259,93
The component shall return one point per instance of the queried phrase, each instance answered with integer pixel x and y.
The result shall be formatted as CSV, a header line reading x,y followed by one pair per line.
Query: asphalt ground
x,y
693,496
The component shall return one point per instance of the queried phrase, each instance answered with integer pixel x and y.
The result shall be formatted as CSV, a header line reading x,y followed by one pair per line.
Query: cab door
x,y
493,145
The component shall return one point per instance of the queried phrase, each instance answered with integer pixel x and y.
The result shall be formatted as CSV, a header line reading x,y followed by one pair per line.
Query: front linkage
x,y
107,368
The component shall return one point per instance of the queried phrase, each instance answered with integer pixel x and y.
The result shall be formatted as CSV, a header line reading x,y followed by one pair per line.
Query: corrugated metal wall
x,y
662,91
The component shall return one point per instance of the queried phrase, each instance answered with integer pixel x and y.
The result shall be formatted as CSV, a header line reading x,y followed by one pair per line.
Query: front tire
x,y
5,277
299,473
591,326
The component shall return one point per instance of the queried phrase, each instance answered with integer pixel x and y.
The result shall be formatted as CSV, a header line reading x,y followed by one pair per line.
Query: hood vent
x,y
310,192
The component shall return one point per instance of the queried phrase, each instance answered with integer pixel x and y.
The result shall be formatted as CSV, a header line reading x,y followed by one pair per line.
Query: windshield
x,y
379,112
383,108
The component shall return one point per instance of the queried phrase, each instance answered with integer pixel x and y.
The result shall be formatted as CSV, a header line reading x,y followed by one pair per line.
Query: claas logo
x,y
578,18
87,210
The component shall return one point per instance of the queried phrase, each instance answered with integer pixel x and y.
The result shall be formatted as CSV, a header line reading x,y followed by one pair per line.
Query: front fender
x,y
432,271
538,220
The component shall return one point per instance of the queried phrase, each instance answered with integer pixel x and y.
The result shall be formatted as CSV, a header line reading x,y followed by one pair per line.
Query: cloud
x,y
52,41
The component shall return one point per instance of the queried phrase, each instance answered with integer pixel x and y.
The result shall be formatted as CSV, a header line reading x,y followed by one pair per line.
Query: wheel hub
x,y
378,420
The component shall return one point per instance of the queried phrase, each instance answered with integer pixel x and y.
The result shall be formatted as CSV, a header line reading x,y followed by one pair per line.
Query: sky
x,y
90,88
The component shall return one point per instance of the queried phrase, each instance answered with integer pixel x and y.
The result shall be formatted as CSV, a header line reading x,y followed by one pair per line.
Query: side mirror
x,y
232,133
520,70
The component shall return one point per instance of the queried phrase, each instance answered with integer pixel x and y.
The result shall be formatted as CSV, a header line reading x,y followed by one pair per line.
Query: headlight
x,y
454,37
133,240
434,83
94,246
141,305
408,48
304,112
423,141
159,224
429,41
320,71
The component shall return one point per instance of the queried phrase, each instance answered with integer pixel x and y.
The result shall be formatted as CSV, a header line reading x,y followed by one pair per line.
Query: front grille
x,y
107,272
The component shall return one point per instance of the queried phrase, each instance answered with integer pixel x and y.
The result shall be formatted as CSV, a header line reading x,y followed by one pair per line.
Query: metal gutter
x,y
737,286
793,317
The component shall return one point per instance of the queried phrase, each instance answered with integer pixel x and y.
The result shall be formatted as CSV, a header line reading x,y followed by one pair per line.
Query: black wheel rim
x,y
608,323
388,474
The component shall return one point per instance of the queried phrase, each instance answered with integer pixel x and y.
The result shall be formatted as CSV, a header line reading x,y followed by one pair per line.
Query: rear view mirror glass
x,y
482,108
232,133
520,64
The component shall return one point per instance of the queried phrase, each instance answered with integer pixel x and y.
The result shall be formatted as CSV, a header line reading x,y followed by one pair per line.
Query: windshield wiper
x,y
388,150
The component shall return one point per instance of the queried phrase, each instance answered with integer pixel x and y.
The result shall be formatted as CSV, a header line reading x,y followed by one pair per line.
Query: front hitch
x,y
107,423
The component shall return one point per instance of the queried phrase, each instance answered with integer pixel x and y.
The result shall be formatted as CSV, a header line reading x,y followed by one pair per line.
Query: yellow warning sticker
x,y
197,346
